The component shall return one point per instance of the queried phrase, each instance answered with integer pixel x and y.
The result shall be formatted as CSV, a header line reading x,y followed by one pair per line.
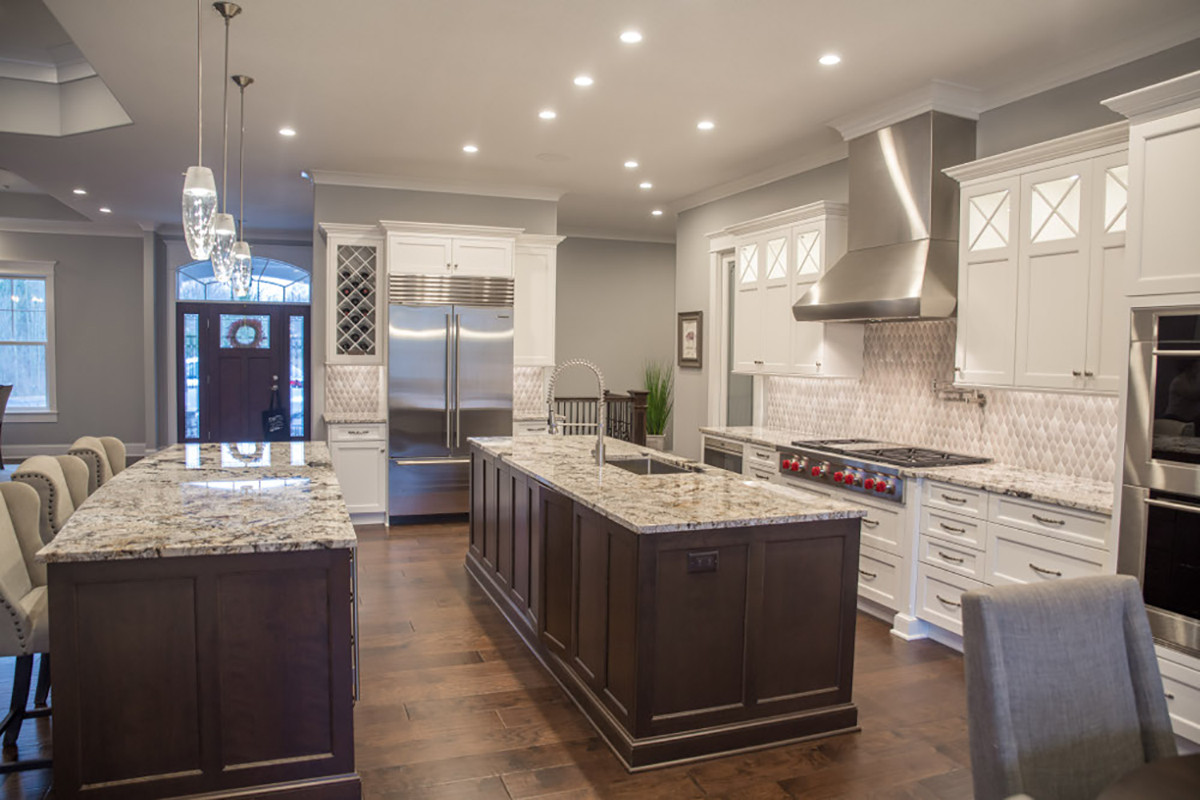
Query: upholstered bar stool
x,y
62,484
95,455
115,449
25,623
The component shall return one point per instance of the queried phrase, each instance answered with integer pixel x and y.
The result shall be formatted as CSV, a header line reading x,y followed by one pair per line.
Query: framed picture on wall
x,y
691,339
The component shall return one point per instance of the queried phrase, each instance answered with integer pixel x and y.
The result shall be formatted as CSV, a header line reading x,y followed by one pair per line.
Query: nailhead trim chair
x,y
95,455
25,623
1063,690
61,483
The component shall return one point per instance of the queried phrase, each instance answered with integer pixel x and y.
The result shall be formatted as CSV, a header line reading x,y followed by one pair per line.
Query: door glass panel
x,y
748,269
808,253
777,259
191,376
1116,198
245,331
296,375
988,220
1054,209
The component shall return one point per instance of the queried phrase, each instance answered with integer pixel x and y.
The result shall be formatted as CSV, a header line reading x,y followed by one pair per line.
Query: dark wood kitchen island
x,y
201,607
687,615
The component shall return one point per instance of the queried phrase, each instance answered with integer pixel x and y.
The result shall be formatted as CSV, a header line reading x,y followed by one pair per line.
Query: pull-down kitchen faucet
x,y
553,421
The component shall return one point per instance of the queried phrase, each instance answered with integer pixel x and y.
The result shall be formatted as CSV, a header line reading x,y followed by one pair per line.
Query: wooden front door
x,y
229,358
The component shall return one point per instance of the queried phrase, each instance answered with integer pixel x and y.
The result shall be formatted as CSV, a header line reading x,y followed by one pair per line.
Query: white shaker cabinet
x,y
359,453
416,248
1041,249
535,287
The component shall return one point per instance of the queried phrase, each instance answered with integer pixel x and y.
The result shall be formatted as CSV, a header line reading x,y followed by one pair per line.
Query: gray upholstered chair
x,y
62,484
95,455
26,629
1063,690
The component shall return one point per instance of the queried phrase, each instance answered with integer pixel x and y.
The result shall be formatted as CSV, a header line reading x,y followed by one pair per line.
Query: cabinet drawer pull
x,y
949,498
1168,695
1049,521
870,523
1088,374
953,559
868,575
1053,572
950,603
952,529
1077,373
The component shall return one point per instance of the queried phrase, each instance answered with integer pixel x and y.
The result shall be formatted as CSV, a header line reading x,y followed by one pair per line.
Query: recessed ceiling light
x,y
105,210
470,148
631,164
829,59
547,114
79,191
705,125
657,212
645,185
287,131
304,174
583,80
631,37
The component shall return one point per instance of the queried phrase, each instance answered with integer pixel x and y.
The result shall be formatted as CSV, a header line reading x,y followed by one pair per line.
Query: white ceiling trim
x,y
951,98
1095,63
789,216
65,228
786,169
1159,99
335,178
615,236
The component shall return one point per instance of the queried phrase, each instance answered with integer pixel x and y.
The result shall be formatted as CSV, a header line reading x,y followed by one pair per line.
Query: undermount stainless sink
x,y
647,465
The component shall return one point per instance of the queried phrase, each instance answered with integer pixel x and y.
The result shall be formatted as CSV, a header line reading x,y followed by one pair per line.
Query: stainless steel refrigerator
x,y
450,377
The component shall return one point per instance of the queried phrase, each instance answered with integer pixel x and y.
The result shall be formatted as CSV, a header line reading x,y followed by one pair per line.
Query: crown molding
x,y
539,240
949,98
1100,60
1169,97
786,169
66,228
789,216
610,235
321,177
1114,137
348,229
447,229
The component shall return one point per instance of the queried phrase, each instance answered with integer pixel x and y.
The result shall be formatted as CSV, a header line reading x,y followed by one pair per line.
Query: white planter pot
x,y
656,442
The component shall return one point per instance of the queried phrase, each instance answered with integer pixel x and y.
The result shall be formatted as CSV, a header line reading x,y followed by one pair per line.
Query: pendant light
x,y
199,189
224,226
242,266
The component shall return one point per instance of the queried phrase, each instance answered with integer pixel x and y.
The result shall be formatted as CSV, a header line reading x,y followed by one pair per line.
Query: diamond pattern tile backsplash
x,y
1072,434
529,393
352,388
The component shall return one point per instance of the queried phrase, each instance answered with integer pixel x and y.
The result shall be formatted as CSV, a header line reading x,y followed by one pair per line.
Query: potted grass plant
x,y
659,385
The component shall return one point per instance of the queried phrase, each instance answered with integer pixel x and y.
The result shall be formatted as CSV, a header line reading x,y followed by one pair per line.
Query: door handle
x,y
457,381
446,383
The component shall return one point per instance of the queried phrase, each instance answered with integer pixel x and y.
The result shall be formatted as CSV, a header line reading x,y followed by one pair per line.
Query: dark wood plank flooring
x,y
454,706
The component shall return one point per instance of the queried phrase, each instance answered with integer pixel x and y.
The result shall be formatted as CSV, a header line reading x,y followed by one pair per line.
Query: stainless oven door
x,y
1162,424
726,455
1160,545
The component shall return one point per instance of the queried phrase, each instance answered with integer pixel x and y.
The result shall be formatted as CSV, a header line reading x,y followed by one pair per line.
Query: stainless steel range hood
x,y
902,262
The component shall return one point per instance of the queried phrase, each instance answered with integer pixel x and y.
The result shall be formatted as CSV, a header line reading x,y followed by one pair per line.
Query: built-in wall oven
x,y
1160,504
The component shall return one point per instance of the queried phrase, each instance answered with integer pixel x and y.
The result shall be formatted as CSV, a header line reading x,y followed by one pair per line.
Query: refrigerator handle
x,y
446,383
457,383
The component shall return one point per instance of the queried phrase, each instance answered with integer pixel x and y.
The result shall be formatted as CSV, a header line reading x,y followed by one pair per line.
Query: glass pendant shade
x,y
224,235
243,270
199,208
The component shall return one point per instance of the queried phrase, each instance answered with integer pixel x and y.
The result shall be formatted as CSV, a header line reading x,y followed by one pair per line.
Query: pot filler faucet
x,y
553,421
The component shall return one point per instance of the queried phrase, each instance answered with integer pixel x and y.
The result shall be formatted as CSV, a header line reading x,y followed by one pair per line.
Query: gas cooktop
x,y
888,453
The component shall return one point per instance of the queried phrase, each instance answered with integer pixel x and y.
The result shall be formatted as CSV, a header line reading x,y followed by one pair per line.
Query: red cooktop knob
x,y
850,478
795,466
880,486
837,477
816,472
868,484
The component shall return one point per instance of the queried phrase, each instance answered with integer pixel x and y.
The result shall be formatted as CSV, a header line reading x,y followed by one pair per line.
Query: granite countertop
x,y
711,498
348,417
1085,494
211,499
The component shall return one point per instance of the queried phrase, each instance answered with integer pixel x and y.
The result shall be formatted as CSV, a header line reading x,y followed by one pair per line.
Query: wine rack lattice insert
x,y
356,300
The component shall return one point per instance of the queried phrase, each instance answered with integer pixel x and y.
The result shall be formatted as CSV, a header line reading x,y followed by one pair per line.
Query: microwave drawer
x,y
1017,556
346,432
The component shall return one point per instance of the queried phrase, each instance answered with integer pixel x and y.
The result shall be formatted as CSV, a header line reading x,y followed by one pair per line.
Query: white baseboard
x,y
15,453
908,628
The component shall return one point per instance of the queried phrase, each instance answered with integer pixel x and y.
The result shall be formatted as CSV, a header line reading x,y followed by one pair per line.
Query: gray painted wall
x,y
614,307
98,337
692,273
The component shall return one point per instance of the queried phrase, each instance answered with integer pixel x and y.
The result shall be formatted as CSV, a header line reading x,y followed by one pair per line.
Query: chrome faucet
x,y
553,421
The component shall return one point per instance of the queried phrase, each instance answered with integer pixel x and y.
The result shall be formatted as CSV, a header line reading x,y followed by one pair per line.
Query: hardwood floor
x,y
454,706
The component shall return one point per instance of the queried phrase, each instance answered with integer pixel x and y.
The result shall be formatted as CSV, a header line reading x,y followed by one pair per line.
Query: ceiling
x,y
392,89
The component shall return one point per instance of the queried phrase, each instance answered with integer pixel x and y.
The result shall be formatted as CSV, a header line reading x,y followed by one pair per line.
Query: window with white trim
x,y
27,335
